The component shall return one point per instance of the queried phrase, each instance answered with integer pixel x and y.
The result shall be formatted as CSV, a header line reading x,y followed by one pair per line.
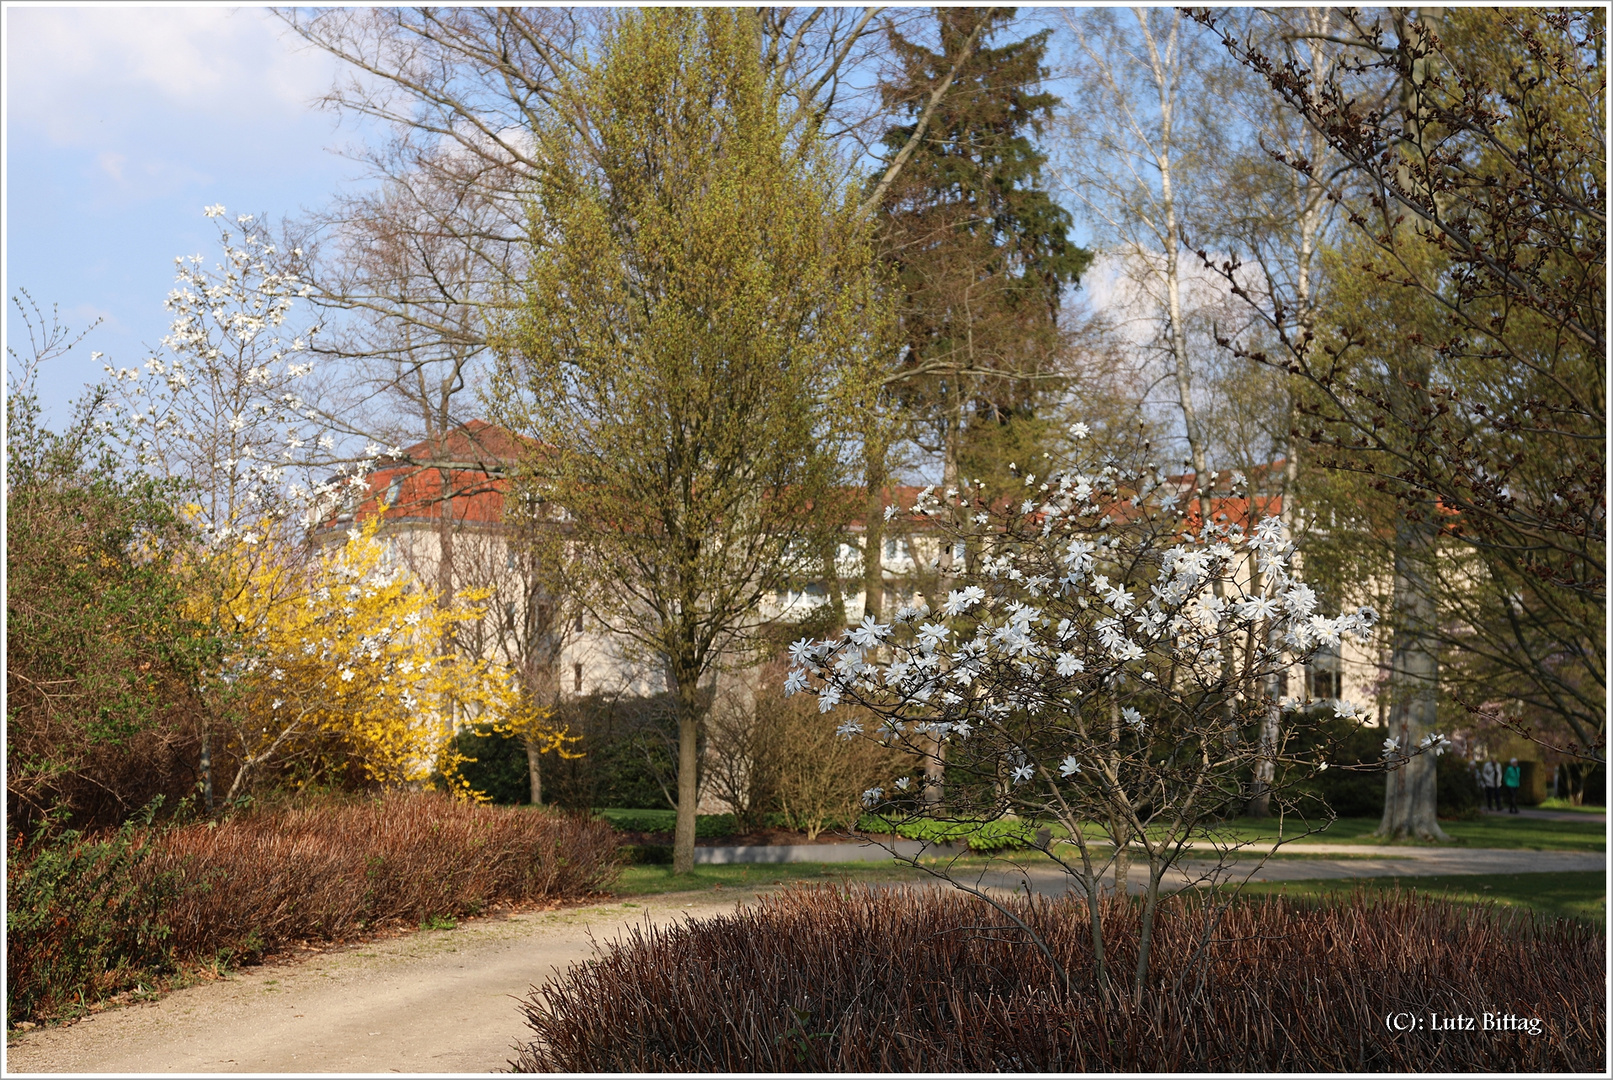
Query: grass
x,y
1578,894
1510,833
651,880
1564,804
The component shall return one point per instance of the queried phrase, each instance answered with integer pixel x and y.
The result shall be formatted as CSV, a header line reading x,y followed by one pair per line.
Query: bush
x,y
82,919
495,764
102,659
1457,792
706,826
90,917
1004,834
629,754
931,981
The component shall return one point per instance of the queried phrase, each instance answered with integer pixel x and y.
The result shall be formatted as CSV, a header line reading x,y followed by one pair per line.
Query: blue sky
x,y
121,124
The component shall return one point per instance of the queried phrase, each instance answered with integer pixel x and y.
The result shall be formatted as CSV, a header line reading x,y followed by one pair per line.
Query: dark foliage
x,y
495,764
629,754
925,981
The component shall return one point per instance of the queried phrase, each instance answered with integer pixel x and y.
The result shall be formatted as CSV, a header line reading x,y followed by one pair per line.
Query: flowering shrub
x,y
343,663
1099,661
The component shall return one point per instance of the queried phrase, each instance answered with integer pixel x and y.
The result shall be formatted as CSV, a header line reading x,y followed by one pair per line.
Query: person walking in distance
x,y
1512,779
1490,777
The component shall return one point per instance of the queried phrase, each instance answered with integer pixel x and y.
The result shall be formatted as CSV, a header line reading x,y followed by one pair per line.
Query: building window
x,y
579,627
1325,677
895,549
393,490
576,677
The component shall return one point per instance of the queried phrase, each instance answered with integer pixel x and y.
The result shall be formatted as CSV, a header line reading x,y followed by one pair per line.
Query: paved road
x,y
1354,861
445,1001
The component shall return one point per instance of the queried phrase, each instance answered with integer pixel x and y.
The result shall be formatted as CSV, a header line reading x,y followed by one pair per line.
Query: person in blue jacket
x,y
1512,779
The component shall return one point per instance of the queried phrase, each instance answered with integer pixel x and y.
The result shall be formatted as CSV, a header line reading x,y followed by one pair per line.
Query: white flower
x,y
1435,742
961,600
1258,607
277,703
848,729
910,613
931,635
1023,773
1321,767
216,210
890,512
1347,710
795,682
869,633
873,795
801,651
1068,664
1134,718
1069,767
1390,745
828,697
1079,431
347,674
902,783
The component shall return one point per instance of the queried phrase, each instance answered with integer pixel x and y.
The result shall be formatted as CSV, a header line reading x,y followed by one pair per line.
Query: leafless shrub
x,y
900,980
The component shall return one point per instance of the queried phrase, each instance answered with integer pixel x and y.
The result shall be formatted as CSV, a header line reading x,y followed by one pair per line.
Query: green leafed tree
x,y
701,310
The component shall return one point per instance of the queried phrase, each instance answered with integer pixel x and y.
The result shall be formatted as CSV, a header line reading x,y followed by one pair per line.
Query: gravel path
x,y
435,1001
445,1001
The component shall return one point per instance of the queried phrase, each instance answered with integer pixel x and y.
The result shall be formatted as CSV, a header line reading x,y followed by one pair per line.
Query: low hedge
x,y
865,981
985,837
706,826
89,916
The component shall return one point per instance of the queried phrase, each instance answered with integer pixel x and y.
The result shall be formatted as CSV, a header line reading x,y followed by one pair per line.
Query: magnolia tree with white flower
x,y
317,665
1100,671
224,406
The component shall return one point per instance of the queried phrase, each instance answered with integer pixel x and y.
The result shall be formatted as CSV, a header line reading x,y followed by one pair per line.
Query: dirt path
x,y
436,1001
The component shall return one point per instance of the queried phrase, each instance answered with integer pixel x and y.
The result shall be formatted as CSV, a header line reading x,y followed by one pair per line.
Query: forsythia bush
x,y
345,664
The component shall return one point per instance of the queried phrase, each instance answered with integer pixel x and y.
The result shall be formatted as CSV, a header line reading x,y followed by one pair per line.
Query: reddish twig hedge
x,y
901,980
99,914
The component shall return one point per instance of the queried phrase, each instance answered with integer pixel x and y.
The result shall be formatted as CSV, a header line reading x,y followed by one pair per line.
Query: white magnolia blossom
x,y
1073,599
220,400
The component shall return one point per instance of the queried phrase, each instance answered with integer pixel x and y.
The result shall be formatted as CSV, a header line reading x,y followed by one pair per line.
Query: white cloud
x,y
71,71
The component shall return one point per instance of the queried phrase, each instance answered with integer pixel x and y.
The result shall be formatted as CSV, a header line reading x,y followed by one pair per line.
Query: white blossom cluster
x,y
224,404
1090,588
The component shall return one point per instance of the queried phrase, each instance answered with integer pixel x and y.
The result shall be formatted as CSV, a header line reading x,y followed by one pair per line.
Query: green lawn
x,y
1578,894
1490,832
647,880
1564,804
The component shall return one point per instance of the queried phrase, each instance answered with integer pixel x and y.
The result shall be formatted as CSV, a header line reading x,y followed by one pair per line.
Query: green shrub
x,y
1457,791
81,917
984,837
629,754
706,826
496,764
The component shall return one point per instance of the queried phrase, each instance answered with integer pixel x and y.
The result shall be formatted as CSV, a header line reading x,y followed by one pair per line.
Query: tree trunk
x,y
874,538
207,771
688,693
534,776
1409,804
